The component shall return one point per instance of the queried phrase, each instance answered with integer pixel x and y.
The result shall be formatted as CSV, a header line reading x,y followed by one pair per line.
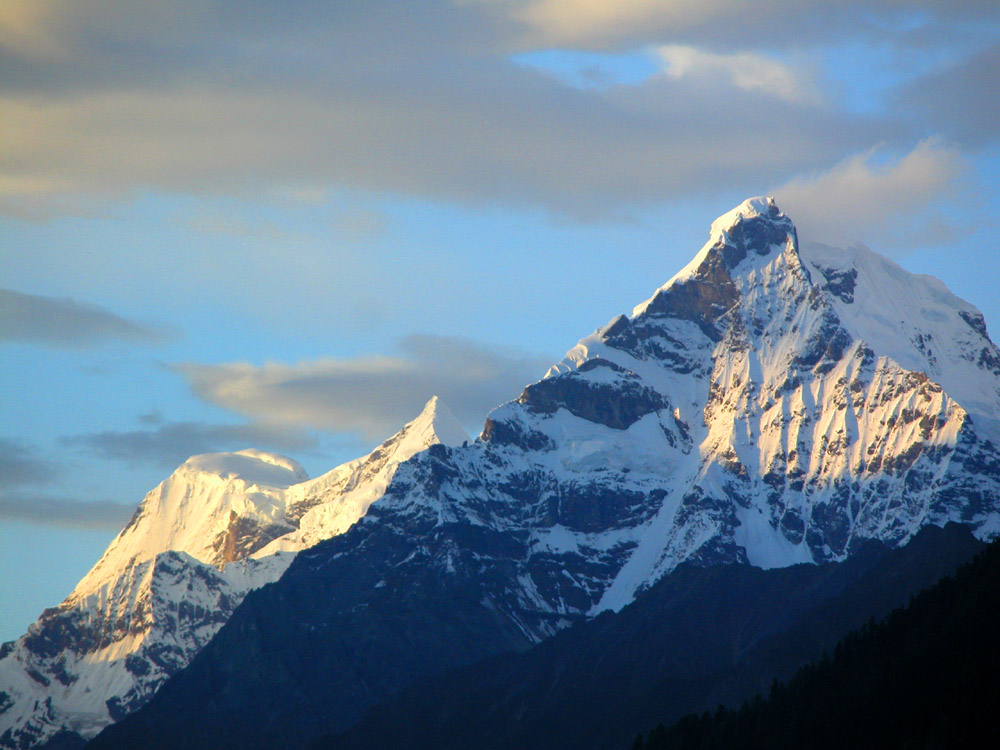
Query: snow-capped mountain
x,y
219,526
770,404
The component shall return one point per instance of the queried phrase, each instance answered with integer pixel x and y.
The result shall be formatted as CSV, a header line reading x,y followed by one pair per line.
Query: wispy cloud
x,y
169,444
64,322
748,71
22,464
24,471
372,396
62,511
238,227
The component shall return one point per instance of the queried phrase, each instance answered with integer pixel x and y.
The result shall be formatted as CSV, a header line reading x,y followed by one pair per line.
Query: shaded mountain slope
x,y
698,638
340,630
925,677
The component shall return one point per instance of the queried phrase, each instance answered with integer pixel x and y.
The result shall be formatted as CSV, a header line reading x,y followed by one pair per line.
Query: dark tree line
x,y
928,676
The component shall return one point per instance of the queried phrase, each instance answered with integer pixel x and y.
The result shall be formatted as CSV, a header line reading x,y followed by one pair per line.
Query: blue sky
x,y
285,226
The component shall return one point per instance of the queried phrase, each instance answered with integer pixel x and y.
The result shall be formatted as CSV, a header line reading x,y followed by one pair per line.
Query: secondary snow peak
x,y
441,423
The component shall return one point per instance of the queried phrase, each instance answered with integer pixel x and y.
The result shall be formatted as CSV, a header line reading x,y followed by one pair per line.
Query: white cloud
x,y
422,99
510,136
371,396
748,71
866,197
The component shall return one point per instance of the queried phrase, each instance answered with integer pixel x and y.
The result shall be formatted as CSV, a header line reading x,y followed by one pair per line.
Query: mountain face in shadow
x,y
925,677
701,637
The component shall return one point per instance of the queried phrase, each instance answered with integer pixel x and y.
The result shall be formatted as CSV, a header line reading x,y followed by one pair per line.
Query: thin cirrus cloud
x,y
62,511
168,444
64,322
22,464
25,471
745,70
867,189
370,396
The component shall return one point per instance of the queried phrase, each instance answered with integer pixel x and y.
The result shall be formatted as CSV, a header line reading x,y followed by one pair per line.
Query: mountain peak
x,y
201,509
757,207
437,424
754,228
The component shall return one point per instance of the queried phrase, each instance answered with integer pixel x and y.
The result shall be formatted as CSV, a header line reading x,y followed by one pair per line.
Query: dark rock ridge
x,y
619,401
244,536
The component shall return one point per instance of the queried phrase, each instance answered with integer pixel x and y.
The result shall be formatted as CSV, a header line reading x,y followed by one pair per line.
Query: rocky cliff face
x,y
218,527
769,405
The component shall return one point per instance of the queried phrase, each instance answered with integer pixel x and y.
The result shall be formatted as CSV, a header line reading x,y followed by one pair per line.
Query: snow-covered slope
x,y
220,525
216,507
331,504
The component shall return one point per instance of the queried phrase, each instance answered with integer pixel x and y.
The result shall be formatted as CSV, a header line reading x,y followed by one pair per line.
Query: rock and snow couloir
x,y
221,525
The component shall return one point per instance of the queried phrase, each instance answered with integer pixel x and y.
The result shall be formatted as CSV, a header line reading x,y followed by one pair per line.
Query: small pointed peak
x,y
430,407
434,425
437,418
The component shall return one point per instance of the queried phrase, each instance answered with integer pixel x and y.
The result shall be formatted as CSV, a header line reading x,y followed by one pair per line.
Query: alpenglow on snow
x,y
221,525
770,404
